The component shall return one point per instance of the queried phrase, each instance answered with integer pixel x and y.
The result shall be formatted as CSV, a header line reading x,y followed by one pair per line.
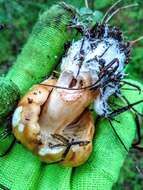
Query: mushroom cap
x,y
55,123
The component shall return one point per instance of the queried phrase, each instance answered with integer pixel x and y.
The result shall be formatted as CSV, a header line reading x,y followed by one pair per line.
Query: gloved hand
x,y
21,170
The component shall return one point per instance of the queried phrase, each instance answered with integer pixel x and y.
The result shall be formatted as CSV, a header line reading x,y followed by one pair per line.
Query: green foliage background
x,y
19,17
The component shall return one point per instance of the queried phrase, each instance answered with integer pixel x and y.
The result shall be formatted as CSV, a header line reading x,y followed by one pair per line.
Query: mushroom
x,y
55,123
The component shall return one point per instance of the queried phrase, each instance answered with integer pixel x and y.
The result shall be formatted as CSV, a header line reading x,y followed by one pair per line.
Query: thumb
x,y
102,169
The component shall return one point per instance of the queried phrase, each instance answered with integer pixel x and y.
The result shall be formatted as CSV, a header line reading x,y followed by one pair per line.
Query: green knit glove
x,y
21,170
